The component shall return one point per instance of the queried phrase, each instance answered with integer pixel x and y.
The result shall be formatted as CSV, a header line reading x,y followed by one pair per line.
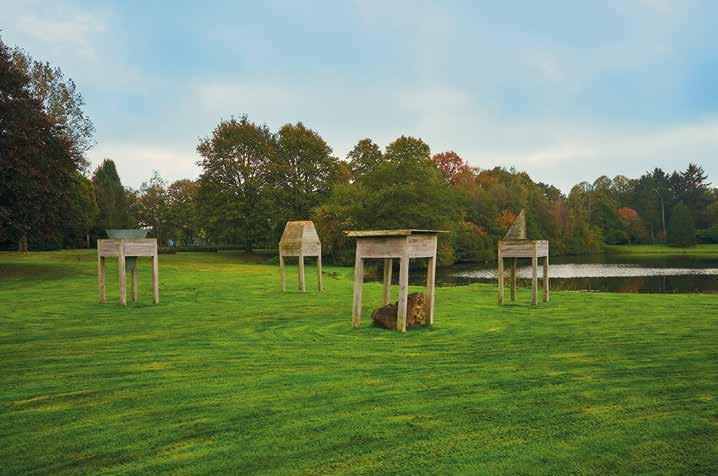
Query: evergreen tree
x,y
681,230
111,198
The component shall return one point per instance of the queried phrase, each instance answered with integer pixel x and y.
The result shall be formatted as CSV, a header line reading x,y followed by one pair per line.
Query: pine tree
x,y
681,230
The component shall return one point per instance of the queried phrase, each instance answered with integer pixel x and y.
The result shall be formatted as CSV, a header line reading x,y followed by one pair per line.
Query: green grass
x,y
229,375
708,250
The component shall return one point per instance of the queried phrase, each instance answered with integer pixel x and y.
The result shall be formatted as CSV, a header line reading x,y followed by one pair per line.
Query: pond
x,y
606,272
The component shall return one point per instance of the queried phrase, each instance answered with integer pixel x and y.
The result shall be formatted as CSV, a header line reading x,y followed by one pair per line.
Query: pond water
x,y
612,273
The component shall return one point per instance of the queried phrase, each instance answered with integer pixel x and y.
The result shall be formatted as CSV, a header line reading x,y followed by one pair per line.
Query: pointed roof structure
x,y
517,231
300,236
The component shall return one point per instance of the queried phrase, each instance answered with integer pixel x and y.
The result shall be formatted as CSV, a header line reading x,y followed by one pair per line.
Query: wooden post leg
x,y
545,280
134,283
513,279
403,289
534,277
101,277
430,290
500,274
122,275
386,294
155,279
319,271
358,280
282,275
302,287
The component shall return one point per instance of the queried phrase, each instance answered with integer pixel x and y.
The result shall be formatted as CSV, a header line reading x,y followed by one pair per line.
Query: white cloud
x,y
82,41
554,151
136,161
586,151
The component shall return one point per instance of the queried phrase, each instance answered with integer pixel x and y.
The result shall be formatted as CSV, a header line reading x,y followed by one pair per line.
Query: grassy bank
x,y
227,374
707,250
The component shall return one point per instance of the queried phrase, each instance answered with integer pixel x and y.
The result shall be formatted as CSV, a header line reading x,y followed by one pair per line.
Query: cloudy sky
x,y
567,90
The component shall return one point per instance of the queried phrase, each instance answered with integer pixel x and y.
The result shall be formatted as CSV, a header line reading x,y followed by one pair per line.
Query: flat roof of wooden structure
x,y
404,232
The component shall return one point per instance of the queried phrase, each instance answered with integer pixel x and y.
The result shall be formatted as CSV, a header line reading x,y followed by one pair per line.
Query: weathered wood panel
x,y
377,233
382,247
155,279
282,275
430,291
534,277
122,277
545,280
518,228
300,237
109,247
422,246
358,281
386,293
523,248
146,247
307,249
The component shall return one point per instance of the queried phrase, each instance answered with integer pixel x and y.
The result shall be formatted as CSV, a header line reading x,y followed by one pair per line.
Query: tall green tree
x,y
111,198
364,158
61,101
182,210
693,189
681,230
38,166
303,172
407,148
82,214
234,193
408,191
152,211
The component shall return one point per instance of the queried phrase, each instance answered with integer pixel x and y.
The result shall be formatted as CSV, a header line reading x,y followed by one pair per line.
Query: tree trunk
x,y
22,244
247,242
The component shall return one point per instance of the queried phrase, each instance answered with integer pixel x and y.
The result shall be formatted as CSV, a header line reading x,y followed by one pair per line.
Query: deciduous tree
x,y
364,158
234,191
303,172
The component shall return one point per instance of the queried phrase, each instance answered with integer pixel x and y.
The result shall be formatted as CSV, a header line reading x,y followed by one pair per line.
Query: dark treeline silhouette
x,y
253,180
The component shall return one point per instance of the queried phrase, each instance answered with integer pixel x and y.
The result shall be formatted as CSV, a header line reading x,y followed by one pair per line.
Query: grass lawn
x,y
707,250
227,374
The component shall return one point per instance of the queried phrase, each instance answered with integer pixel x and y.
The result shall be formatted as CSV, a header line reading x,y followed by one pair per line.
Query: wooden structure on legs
x,y
300,239
515,245
124,249
403,245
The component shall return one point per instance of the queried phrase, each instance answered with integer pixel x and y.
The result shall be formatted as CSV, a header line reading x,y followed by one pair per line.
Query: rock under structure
x,y
386,316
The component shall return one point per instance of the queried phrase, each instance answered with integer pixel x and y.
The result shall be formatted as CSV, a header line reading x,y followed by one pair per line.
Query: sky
x,y
566,91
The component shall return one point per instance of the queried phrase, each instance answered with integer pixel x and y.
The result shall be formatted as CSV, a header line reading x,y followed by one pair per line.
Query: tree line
x,y
253,180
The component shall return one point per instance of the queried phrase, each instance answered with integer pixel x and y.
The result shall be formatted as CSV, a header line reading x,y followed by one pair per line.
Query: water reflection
x,y
610,273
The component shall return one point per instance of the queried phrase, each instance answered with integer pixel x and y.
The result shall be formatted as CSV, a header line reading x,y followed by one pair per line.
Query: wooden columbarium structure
x,y
515,245
300,239
390,244
123,249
